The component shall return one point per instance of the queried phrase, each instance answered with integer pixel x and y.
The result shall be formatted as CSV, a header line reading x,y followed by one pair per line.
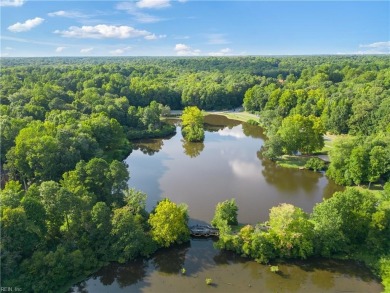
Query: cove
x,y
227,165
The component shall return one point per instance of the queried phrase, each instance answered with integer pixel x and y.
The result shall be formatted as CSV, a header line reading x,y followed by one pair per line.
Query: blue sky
x,y
193,28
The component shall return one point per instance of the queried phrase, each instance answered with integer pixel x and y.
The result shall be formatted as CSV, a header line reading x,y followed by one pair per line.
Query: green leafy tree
x,y
225,212
99,180
303,134
11,195
101,218
358,165
263,247
10,128
273,147
151,116
192,124
135,200
379,163
48,271
292,230
36,214
342,222
129,239
35,154
60,206
378,238
287,101
255,98
109,135
169,223
339,160
19,238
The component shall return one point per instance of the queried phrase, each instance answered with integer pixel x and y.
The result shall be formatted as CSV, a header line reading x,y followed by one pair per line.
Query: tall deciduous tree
x,y
342,222
358,165
303,134
293,231
192,124
225,212
169,223
129,238
379,163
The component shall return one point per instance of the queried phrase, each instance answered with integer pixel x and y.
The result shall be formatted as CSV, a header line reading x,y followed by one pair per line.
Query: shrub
x,y
274,269
252,122
315,164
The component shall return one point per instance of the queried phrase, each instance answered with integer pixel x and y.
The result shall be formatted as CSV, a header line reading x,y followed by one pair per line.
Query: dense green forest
x,y
67,125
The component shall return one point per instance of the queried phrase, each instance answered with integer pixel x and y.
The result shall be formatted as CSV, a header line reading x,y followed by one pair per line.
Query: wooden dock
x,y
203,231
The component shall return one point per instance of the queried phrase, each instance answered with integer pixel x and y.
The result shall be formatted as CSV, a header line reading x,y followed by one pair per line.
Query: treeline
x,y
350,225
60,86
340,97
349,97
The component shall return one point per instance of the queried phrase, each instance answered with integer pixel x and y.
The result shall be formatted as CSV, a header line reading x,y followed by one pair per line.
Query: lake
x,y
227,165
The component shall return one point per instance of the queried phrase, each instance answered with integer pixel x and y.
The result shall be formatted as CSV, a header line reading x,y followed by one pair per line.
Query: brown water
x,y
226,165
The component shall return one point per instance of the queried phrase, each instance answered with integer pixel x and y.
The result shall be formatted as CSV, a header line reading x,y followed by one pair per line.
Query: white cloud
x,y
180,47
32,41
181,37
8,48
14,3
184,50
67,14
370,49
377,45
86,50
223,52
103,31
129,7
146,18
154,37
245,170
217,39
60,49
365,52
234,132
120,51
133,10
153,4
25,26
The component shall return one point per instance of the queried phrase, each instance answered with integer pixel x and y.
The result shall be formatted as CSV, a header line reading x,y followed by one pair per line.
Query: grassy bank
x,y
296,162
240,116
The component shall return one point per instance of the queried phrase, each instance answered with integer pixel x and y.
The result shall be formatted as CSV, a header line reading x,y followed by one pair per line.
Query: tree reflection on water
x,y
171,261
192,149
125,274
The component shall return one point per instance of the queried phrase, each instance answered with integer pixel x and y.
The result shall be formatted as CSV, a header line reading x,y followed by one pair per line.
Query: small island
x,y
192,124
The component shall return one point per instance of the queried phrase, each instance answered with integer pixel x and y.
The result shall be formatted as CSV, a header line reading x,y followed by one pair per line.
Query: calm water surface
x,y
227,165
